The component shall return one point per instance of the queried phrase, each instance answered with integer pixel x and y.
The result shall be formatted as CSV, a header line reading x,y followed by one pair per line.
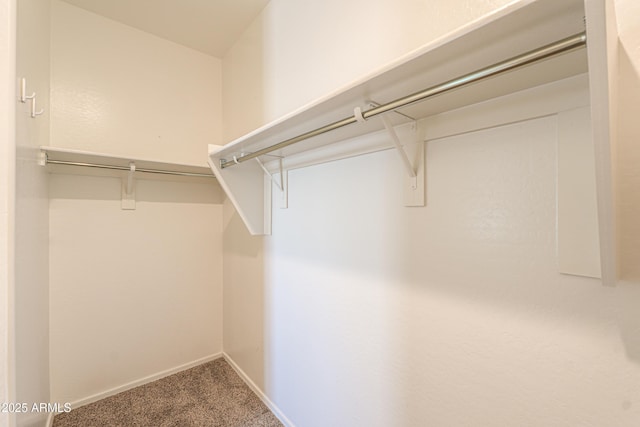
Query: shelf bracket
x,y
282,183
400,150
43,158
129,189
284,186
413,161
412,157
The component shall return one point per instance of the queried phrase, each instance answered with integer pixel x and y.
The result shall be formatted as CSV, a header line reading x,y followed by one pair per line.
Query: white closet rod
x,y
127,168
562,46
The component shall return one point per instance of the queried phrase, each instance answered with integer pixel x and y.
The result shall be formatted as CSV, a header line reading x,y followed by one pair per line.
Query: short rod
x,y
126,168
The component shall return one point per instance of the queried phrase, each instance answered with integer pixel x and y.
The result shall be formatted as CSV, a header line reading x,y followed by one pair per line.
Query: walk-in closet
x,y
320,213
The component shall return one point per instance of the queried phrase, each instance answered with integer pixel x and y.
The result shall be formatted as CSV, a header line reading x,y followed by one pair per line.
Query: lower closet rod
x,y
544,52
125,168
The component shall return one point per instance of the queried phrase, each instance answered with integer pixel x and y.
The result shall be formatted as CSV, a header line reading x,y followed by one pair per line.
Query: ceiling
x,y
209,26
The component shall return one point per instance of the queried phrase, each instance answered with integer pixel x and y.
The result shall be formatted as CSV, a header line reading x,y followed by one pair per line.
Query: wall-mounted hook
x,y
34,112
23,91
24,98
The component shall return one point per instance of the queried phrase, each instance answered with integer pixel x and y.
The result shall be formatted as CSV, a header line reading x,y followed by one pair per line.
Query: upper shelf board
x,y
510,31
86,157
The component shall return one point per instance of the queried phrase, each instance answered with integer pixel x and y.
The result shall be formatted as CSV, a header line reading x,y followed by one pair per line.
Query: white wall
x,y
119,90
7,190
449,315
285,59
243,295
297,51
367,313
629,134
31,309
134,293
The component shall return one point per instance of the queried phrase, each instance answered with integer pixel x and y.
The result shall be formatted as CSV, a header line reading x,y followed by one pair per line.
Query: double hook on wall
x,y
24,97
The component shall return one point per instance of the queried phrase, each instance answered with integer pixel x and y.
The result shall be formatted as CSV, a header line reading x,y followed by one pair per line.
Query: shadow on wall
x,y
628,302
243,282
243,98
628,159
507,295
205,190
237,239
465,292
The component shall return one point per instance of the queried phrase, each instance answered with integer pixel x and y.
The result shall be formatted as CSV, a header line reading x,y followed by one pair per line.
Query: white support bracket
x,y
412,157
284,186
129,189
282,183
403,154
43,158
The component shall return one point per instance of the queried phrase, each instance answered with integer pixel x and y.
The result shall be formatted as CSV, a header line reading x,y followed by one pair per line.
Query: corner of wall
x,y
7,202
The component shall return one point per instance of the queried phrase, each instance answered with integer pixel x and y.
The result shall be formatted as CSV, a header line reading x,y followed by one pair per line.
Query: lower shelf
x,y
62,160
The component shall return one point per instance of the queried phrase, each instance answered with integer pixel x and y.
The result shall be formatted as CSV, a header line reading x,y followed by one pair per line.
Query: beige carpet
x,y
211,395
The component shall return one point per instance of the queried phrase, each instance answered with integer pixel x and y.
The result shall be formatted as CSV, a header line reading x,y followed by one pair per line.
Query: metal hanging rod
x,y
127,168
562,46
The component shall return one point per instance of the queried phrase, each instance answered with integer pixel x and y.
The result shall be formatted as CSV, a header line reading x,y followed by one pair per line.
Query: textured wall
x,y
7,185
298,51
119,90
31,305
629,134
133,292
454,314
448,315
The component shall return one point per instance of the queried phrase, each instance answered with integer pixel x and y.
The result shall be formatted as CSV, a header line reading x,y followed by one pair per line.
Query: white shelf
x,y
53,154
510,31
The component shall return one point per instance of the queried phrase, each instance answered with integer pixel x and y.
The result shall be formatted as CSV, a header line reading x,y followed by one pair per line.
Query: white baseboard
x,y
272,406
142,381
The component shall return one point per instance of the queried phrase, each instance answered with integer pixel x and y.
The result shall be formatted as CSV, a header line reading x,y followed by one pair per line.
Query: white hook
x,y
34,113
23,91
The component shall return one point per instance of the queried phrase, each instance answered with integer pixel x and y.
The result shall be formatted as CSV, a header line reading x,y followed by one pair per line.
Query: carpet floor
x,y
211,395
